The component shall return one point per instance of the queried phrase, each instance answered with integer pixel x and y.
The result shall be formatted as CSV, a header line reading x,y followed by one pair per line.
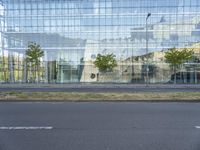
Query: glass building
x,y
72,32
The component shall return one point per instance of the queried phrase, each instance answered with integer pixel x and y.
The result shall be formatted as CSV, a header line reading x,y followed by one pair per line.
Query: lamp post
x,y
147,40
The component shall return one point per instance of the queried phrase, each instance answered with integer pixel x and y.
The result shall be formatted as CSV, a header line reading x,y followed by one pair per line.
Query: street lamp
x,y
147,40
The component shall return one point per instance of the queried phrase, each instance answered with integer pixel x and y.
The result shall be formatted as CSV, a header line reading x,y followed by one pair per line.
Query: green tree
x,y
176,57
105,62
34,53
4,65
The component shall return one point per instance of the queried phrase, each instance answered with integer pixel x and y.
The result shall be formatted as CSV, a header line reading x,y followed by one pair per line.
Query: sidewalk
x,y
101,85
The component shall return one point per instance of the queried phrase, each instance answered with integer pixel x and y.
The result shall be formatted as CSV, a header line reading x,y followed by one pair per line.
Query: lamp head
x,y
148,15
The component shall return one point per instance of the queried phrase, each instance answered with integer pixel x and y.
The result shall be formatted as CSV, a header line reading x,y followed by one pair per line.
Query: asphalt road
x,y
99,126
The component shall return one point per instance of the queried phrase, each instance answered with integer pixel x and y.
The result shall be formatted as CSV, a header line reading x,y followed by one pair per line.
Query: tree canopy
x,y
34,53
105,62
177,57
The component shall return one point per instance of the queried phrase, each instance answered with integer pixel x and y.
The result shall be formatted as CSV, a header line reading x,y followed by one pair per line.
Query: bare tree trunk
x,y
38,72
11,67
195,75
174,74
46,67
4,61
4,68
35,72
18,66
31,72
25,72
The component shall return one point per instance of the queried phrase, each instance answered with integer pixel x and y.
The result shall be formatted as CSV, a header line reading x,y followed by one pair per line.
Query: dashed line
x,y
26,128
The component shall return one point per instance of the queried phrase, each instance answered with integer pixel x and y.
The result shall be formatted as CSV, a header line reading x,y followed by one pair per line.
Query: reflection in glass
x,y
70,32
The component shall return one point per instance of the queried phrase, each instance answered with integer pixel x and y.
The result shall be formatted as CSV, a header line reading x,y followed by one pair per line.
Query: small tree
x,y
105,62
177,57
34,54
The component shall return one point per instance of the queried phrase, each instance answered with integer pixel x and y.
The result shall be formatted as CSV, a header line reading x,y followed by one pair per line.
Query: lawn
x,y
62,96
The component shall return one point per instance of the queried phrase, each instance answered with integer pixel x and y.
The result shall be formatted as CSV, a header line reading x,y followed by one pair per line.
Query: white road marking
x,y
197,127
26,128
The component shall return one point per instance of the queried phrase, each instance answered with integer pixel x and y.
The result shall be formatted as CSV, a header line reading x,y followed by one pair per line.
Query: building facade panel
x,y
72,32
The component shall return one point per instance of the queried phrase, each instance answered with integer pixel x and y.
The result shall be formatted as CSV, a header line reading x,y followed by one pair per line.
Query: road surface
x,y
99,126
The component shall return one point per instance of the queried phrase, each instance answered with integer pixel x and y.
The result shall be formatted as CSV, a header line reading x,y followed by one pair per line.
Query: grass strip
x,y
60,96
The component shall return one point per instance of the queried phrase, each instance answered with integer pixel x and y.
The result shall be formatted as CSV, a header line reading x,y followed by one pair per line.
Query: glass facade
x,y
72,33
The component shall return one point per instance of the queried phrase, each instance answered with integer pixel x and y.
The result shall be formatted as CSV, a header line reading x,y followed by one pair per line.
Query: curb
x,y
100,101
